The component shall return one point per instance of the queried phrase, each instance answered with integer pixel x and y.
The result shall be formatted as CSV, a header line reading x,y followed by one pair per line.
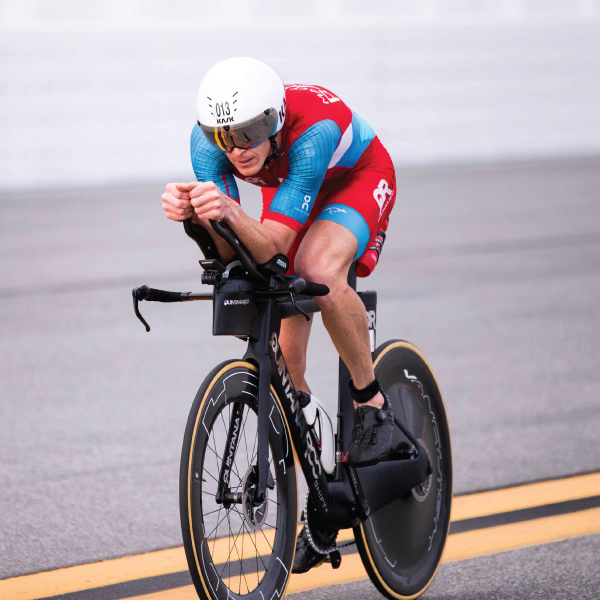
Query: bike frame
x,y
251,305
347,497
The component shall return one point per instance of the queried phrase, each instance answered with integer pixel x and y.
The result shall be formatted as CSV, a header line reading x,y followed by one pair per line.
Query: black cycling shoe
x,y
371,436
306,556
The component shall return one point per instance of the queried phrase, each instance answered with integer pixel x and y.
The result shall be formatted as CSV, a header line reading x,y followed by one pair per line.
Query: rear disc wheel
x,y
401,545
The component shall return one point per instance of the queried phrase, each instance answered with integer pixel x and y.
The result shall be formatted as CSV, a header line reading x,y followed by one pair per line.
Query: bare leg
x,y
325,256
293,340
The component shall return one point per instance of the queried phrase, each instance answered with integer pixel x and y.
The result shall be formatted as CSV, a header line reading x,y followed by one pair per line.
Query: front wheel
x,y
402,544
235,546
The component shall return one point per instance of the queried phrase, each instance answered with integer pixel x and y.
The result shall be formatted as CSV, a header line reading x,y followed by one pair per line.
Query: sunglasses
x,y
246,135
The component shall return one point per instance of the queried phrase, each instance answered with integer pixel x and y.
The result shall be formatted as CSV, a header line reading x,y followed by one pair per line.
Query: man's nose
x,y
238,152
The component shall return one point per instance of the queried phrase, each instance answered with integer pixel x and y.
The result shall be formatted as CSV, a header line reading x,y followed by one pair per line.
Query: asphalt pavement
x,y
493,272
566,570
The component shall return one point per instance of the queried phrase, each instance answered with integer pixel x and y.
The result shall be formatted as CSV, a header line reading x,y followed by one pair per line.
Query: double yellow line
x,y
460,546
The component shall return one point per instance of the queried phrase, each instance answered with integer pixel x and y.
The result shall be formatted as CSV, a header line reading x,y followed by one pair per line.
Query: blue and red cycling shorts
x,y
360,199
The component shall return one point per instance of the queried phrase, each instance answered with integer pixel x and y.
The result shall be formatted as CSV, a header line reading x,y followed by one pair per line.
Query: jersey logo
x,y
306,202
255,180
381,193
333,209
325,95
282,111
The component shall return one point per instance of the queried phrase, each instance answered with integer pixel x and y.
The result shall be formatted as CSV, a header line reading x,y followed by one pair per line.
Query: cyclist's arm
x,y
211,165
263,240
308,159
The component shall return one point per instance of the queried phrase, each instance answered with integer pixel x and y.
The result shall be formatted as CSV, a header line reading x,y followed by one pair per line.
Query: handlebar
x,y
240,250
153,295
307,288
296,287
299,286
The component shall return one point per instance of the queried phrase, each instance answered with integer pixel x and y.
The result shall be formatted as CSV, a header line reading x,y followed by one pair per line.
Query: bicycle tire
x,y
402,544
233,553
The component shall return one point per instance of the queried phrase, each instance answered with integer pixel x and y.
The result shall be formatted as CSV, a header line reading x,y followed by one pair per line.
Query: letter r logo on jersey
x,y
381,193
255,180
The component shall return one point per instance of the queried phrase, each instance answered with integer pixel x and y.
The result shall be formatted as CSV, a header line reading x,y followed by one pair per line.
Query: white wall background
x,y
103,92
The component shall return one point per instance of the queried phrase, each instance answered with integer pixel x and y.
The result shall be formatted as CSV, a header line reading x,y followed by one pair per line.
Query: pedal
x,y
335,559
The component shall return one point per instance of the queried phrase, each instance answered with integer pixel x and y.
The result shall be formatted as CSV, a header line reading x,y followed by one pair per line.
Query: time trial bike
x,y
247,433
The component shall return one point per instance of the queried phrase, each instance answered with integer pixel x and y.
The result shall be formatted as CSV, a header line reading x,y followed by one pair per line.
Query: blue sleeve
x,y
211,164
308,159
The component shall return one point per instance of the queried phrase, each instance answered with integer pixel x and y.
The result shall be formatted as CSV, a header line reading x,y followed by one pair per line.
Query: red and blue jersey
x,y
322,141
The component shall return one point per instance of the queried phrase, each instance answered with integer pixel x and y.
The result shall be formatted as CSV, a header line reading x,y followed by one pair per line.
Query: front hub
x,y
255,512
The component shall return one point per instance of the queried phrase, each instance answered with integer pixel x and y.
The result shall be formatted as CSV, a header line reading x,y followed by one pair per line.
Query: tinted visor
x,y
246,135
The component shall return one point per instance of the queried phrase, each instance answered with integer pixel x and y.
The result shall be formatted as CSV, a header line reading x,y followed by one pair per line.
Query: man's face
x,y
250,162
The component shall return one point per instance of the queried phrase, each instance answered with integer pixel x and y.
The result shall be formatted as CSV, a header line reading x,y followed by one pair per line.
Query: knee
x,y
320,269
315,268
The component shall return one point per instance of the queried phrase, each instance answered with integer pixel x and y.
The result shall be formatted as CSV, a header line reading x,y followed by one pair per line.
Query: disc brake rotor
x,y
255,513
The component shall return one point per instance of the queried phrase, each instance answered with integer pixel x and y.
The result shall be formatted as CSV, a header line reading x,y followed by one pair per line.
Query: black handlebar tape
x,y
315,289
306,288
162,296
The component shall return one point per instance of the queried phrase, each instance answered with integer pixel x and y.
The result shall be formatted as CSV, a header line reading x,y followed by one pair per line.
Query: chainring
x,y
321,538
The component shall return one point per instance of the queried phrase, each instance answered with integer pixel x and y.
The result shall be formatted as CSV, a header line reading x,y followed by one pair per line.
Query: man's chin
x,y
250,170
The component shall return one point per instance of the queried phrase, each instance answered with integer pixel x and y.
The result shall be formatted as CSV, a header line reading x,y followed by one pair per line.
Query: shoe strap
x,y
366,394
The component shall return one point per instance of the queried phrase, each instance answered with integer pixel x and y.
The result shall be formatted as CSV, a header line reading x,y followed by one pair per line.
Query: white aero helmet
x,y
240,103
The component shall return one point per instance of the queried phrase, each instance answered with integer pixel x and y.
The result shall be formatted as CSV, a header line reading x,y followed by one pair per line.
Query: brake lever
x,y
140,293
296,307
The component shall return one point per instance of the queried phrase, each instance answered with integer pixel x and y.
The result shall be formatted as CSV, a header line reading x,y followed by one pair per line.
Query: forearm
x,y
262,240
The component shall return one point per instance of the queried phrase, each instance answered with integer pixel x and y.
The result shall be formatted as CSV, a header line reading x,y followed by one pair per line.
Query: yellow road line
x,y
246,545
128,568
182,593
525,496
470,544
351,570
162,562
460,546
84,577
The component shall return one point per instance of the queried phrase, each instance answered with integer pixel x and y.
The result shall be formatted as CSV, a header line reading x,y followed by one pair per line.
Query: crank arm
x,y
362,506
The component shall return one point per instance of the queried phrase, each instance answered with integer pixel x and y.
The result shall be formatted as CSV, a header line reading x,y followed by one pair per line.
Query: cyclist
x,y
328,186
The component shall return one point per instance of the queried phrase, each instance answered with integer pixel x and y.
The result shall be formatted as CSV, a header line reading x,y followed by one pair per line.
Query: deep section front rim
x,y
236,547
